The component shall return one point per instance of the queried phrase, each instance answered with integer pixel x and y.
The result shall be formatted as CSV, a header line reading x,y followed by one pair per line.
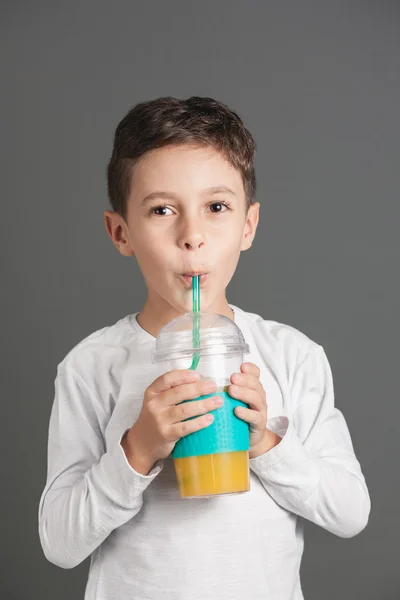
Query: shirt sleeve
x,y
90,489
313,471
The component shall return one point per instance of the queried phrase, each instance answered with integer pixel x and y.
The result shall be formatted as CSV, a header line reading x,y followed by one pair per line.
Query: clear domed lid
x,y
217,334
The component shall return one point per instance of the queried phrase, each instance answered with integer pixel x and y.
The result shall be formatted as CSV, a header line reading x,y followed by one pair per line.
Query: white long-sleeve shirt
x,y
145,542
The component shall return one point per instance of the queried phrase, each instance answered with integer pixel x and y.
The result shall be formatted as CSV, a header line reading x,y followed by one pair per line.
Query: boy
x,y
111,490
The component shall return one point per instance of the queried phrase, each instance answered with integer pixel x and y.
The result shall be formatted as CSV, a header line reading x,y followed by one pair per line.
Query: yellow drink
x,y
212,474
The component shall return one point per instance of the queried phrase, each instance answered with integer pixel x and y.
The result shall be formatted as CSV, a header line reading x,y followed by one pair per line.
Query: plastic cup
x,y
214,460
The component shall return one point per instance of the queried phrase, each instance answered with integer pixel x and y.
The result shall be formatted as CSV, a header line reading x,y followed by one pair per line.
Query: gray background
x,y
318,84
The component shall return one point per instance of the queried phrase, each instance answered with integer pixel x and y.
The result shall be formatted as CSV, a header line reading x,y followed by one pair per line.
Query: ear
x,y
250,226
117,229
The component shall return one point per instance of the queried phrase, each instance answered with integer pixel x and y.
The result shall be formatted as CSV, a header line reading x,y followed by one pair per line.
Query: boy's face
x,y
186,213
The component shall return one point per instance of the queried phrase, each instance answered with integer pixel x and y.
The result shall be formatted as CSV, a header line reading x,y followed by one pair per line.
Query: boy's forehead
x,y
174,168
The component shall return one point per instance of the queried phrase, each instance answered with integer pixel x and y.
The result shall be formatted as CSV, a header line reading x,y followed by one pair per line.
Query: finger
x,y
171,379
251,397
246,380
251,368
188,410
186,391
253,417
179,430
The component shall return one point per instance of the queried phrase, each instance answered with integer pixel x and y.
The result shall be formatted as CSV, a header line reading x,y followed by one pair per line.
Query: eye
x,y
227,206
153,210
162,207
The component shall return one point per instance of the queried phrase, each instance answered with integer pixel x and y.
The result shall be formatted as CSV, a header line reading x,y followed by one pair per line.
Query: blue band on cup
x,y
227,433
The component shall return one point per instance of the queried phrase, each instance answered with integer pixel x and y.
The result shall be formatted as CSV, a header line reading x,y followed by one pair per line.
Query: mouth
x,y
187,278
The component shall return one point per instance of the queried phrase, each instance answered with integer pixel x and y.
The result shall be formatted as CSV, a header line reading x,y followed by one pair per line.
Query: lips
x,y
187,277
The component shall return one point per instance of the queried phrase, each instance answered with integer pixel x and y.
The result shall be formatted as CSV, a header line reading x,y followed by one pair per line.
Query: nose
x,y
191,235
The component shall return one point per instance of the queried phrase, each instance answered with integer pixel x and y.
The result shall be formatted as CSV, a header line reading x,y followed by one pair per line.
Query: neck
x,y
154,316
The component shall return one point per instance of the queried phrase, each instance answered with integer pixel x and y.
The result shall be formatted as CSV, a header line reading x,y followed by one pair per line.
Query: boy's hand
x,y
248,388
161,422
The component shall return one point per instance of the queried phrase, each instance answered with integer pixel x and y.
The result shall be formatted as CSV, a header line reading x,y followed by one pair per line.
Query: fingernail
x,y
218,401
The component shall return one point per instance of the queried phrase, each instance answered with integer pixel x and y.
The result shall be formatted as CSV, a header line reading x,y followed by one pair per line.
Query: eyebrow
x,y
171,196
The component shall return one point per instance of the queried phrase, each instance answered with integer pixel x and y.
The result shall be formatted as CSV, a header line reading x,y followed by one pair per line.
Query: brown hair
x,y
168,121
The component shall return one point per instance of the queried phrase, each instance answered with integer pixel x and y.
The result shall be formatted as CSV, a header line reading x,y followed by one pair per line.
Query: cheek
x,y
225,264
227,246
149,250
153,254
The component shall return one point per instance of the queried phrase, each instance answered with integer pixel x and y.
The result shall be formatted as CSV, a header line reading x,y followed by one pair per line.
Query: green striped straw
x,y
196,320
